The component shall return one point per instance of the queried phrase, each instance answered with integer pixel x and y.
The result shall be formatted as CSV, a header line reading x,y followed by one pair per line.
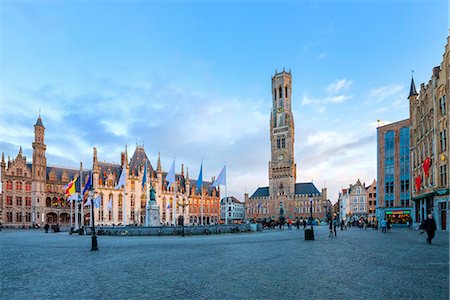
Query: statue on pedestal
x,y
152,208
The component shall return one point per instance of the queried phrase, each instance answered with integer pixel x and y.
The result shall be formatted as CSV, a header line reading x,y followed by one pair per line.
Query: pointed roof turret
x,y
39,121
158,168
20,150
3,158
187,174
412,90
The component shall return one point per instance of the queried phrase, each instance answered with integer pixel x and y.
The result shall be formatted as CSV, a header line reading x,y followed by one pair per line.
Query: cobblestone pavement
x,y
358,264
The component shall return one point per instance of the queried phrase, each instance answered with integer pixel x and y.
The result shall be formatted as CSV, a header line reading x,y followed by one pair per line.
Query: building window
x,y
27,201
283,143
19,201
278,143
443,175
443,140
19,185
9,200
280,93
28,186
18,217
9,216
442,105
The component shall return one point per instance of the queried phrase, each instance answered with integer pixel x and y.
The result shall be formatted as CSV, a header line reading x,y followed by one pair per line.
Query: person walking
x,y
335,224
389,225
330,226
304,224
46,227
383,226
297,223
430,227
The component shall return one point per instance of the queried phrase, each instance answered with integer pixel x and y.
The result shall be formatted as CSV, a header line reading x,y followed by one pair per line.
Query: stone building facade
x,y
371,195
33,193
393,172
429,114
283,194
232,210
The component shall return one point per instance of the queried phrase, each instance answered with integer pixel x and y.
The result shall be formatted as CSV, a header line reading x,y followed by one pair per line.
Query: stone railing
x,y
172,230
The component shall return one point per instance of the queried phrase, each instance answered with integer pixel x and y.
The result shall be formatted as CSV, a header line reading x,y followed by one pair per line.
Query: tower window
x,y
278,143
285,92
280,95
283,143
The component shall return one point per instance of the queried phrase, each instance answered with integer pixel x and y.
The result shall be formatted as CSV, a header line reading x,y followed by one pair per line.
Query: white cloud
x,y
385,92
341,84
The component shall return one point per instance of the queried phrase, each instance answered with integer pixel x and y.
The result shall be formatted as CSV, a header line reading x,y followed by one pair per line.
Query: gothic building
x,y
33,193
429,113
283,193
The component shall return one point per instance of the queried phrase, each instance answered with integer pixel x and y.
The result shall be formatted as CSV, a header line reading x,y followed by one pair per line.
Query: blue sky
x,y
191,79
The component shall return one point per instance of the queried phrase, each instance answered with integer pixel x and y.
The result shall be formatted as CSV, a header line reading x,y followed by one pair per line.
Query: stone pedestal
x,y
153,215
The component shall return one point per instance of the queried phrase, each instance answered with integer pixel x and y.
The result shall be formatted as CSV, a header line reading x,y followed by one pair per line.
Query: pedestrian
x,y
330,226
410,223
389,225
290,224
297,223
304,224
46,227
383,225
430,227
342,225
335,224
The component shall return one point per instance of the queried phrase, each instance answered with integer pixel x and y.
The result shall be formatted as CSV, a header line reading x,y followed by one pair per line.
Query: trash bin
x,y
309,234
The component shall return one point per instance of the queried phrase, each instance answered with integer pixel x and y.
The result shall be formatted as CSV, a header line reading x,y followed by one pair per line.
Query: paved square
x,y
358,264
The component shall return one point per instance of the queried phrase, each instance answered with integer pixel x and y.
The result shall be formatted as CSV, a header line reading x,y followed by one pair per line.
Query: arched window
x,y
280,93
286,92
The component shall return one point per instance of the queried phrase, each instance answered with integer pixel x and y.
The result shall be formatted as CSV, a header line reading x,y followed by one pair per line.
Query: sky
x,y
192,80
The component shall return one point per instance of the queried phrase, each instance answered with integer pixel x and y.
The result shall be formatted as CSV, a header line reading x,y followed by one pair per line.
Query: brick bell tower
x,y
38,170
282,167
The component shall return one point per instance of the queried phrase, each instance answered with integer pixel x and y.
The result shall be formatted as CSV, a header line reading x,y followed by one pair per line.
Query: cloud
x,y
341,84
385,92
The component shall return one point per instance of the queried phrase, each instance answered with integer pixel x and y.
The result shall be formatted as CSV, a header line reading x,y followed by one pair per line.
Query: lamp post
x,y
94,246
309,233
183,204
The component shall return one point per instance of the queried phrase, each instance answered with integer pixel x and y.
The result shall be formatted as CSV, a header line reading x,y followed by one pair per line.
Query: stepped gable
x,y
109,168
61,173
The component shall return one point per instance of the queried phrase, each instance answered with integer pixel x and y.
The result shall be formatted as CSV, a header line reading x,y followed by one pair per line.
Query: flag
x,y
222,178
73,197
97,201
170,177
168,206
144,178
69,188
88,184
88,202
200,178
110,204
123,178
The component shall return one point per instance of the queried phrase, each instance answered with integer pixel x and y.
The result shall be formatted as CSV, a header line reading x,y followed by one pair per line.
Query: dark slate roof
x,y
302,188
71,173
106,168
261,192
39,122
412,90
138,160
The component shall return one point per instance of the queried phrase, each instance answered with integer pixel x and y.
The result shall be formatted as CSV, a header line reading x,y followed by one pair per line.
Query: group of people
x,y
55,227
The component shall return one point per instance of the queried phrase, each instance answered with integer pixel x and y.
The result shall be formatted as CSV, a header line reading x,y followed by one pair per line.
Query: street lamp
x,y
183,204
94,246
309,233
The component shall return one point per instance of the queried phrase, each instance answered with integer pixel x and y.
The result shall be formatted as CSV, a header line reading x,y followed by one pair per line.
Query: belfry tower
x,y
282,168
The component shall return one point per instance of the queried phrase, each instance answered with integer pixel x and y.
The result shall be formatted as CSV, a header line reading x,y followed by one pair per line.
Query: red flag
x,y
418,182
426,166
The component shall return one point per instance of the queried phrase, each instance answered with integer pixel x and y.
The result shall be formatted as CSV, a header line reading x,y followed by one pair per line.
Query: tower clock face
x,y
280,157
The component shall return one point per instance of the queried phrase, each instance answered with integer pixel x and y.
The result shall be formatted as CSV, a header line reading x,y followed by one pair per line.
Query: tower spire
x,y
412,90
158,168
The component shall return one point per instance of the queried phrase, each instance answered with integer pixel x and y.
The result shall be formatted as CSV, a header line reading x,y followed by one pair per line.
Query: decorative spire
x,y
187,174
3,158
158,168
182,170
20,150
39,121
412,90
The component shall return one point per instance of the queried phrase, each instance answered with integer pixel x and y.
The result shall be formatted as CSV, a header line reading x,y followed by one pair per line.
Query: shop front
x,y
398,216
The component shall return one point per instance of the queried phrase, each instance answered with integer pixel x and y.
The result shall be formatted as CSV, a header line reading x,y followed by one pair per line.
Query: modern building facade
x,y
429,114
33,193
232,210
283,196
393,200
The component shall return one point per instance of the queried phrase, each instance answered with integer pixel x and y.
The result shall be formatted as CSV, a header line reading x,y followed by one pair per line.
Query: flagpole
x,y
71,213
226,198
82,196
201,190
124,217
76,214
147,206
